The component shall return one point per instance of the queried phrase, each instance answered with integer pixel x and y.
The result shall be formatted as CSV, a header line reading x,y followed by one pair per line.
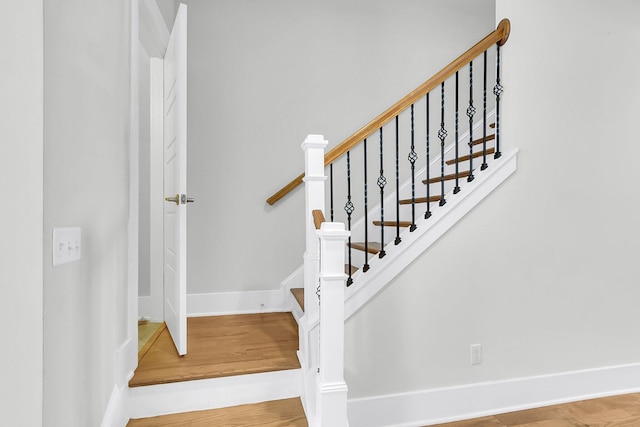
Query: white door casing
x,y
175,182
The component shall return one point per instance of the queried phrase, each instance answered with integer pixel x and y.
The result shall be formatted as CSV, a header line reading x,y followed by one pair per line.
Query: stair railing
x,y
423,110
322,347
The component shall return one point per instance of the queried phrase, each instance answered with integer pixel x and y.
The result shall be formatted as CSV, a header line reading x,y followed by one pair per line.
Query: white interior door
x,y
175,182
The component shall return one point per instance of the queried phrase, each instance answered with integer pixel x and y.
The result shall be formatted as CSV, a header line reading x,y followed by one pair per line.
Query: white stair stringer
x,y
367,284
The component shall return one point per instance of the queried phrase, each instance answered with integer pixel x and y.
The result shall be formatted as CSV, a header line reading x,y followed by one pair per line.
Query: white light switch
x,y
67,245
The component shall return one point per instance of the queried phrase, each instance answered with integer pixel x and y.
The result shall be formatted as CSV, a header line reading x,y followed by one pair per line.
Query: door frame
x,y
148,29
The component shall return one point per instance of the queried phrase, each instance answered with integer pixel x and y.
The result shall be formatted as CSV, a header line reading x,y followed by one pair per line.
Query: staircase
x,y
385,205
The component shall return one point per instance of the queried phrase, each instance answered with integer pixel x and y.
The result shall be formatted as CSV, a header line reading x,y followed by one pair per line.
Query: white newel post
x,y
332,389
314,179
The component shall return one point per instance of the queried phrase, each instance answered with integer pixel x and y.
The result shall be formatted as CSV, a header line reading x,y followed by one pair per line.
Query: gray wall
x,y
263,75
144,273
21,213
544,272
86,169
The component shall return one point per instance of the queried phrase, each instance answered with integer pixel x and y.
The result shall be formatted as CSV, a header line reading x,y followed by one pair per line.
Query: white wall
x,y
544,272
86,184
144,262
263,75
21,216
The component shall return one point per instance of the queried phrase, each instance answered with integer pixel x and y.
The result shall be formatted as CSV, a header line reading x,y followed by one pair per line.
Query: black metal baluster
x,y
382,181
349,208
456,189
497,91
427,214
471,110
413,156
484,117
331,188
442,134
397,240
365,267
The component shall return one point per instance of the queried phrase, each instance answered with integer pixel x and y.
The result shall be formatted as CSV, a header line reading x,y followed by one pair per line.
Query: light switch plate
x,y
67,245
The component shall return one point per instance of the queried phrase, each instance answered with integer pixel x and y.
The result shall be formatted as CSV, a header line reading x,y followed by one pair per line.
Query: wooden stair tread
x,y
479,140
421,200
476,154
298,294
461,174
373,247
393,223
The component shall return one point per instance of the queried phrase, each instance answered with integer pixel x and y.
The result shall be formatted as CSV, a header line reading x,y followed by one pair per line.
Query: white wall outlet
x,y
476,354
67,245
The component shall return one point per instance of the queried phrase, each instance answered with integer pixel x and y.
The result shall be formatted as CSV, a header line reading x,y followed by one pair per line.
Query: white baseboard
x,y
214,393
117,412
435,406
222,303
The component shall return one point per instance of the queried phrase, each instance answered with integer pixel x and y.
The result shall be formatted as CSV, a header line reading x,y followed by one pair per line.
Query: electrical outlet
x,y
476,354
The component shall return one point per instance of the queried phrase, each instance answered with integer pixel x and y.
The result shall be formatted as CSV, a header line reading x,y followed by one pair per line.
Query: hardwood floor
x,y
278,413
222,346
615,411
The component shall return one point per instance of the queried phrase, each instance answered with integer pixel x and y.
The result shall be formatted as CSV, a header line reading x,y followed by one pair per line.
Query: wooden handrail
x,y
318,218
498,36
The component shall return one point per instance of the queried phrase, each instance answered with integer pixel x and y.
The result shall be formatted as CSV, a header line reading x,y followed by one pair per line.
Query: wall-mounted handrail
x,y
499,36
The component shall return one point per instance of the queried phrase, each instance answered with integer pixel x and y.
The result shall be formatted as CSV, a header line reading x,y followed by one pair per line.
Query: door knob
x,y
175,199
184,199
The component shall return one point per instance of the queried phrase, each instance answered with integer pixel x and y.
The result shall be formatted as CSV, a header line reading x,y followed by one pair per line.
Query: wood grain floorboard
x,y
222,346
614,411
277,413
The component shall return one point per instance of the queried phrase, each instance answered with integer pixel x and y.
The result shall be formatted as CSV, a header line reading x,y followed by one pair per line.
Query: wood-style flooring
x,y
222,346
615,411
278,413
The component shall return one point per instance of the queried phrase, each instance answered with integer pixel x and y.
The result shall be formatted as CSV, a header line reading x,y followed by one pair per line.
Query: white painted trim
x,y
223,303
117,412
441,405
214,393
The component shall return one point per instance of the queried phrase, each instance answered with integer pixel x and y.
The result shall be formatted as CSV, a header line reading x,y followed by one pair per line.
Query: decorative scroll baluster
x,y
442,134
427,214
413,156
484,117
397,240
349,208
497,91
456,189
382,181
365,267
331,189
471,110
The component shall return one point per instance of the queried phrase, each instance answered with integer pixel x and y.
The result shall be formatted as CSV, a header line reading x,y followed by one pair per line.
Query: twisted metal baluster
x,y
413,156
365,267
456,189
397,240
442,134
382,181
427,214
471,110
349,208
484,117
497,91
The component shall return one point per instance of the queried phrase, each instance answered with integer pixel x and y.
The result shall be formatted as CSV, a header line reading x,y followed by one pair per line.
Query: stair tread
x,y
479,140
476,154
298,294
449,177
372,247
421,200
393,223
